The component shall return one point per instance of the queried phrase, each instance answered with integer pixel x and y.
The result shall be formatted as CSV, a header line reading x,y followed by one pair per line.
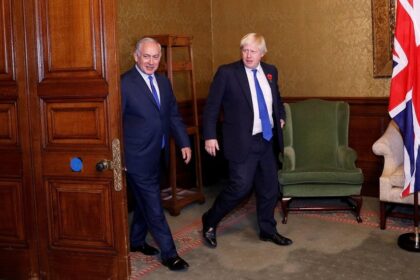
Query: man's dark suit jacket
x,y
230,92
145,124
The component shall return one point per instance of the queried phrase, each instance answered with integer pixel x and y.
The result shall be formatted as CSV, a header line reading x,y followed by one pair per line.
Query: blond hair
x,y
256,38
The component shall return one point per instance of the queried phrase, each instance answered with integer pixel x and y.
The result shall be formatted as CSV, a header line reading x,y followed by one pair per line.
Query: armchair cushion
x,y
390,145
322,175
397,178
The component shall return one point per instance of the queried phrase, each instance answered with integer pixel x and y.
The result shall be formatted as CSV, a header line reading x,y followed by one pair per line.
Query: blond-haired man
x,y
253,117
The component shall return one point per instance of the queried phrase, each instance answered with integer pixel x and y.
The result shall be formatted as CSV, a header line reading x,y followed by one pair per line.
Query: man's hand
x,y
186,154
282,123
211,146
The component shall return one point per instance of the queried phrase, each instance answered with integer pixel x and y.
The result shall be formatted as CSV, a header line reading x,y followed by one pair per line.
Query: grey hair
x,y
146,40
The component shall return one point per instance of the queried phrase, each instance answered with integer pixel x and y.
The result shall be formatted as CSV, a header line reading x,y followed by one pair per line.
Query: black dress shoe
x,y
145,249
175,263
276,238
209,233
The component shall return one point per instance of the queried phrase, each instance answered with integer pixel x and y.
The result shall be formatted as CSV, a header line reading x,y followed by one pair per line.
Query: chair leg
x,y
382,210
285,208
359,202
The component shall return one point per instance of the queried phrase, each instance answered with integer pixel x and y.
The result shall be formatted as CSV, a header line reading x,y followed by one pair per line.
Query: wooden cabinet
x,y
177,64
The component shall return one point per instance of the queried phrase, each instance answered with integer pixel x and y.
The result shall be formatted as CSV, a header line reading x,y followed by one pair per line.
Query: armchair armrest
x,y
289,158
347,157
391,147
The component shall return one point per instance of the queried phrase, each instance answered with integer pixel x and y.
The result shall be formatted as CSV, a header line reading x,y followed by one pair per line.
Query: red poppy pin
x,y
270,77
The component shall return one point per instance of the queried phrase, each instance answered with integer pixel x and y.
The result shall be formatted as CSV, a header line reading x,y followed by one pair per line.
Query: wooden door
x,y
68,220
18,248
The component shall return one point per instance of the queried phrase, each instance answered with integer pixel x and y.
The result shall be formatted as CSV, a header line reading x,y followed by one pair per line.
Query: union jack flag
x,y
404,100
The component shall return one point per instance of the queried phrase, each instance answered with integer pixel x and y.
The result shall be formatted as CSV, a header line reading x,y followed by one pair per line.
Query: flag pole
x,y
410,241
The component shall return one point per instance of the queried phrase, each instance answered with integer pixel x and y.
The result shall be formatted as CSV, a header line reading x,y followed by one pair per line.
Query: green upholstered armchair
x,y
317,162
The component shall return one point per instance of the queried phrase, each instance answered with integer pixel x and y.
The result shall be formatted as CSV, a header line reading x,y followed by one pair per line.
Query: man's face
x,y
148,57
251,55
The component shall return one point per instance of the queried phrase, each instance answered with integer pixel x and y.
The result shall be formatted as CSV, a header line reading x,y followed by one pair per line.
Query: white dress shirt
x,y
265,86
146,79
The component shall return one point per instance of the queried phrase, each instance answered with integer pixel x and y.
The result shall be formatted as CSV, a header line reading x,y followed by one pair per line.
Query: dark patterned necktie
x,y
155,96
154,91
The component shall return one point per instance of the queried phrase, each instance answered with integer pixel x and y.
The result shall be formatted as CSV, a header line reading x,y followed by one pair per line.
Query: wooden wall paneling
x,y
213,168
18,250
368,121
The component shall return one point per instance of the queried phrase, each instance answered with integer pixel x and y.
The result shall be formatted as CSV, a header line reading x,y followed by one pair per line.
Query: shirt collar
x,y
144,75
259,68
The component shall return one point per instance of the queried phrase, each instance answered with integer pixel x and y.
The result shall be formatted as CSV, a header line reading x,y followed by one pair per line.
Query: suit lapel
x,y
162,92
243,81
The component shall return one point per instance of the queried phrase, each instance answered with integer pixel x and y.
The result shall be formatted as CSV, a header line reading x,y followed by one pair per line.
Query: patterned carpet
x,y
189,238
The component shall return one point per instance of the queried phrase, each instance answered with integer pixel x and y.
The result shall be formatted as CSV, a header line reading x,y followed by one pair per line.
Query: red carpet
x,y
189,238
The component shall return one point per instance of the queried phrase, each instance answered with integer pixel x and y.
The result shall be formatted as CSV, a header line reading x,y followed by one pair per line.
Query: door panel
x,y
70,202
18,250
60,218
76,122
9,138
6,53
75,116
8,124
100,268
71,35
11,219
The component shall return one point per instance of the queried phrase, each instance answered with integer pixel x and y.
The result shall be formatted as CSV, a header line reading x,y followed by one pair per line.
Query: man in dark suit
x,y
253,115
150,115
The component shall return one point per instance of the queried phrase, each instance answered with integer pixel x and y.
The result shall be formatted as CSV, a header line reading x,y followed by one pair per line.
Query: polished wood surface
x,y
352,203
59,101
18,247
177,58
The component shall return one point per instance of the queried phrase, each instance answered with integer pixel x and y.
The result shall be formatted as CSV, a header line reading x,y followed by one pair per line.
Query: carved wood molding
x,y
383,23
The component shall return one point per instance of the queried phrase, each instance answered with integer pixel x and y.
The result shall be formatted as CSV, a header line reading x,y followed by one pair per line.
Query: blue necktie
x,y
154,92
262,108
155,96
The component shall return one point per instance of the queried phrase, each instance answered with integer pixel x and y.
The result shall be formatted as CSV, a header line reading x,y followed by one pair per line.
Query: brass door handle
x,y
114,165
103,165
